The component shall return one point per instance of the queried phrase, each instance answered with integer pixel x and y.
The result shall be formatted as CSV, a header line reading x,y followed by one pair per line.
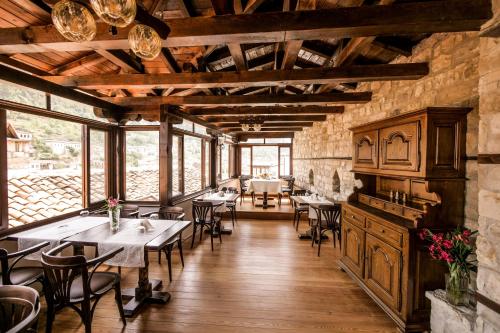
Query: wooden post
x,y
121,167
213,162
85,166
165,157
4,202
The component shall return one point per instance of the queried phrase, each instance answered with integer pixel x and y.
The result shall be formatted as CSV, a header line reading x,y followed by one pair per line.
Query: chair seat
x,y
23,276
100,283
230,204
302,208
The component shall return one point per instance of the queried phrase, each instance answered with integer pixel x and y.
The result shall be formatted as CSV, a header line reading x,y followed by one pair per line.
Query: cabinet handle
x,y
352,216
383,231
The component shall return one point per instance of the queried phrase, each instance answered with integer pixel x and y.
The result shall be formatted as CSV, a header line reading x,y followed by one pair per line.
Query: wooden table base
x,y
138,297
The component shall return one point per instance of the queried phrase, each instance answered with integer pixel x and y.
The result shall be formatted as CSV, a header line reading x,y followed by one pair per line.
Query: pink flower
x,y
466,233
437,238
446,256
447,244
422,234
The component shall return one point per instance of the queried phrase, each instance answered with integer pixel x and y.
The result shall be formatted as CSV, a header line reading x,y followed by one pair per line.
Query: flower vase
x,y
457,287
114,219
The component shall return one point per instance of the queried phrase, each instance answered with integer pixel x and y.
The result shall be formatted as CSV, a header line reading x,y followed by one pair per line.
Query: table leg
x,y
264,202
145,292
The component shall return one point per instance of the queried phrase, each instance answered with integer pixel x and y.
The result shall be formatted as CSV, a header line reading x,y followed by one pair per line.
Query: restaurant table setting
x,y
219,200
264,186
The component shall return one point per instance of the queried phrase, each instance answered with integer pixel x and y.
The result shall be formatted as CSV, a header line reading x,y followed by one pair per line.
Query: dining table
x,y
311,200
220,200
136,241
265,186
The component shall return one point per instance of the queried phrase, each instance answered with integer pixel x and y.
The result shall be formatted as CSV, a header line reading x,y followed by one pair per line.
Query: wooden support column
x,y
85,166
4,215
121,172
165,157
112,171
213,162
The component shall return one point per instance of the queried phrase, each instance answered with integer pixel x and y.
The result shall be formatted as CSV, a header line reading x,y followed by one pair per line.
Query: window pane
x,y
97,165
265,160
71,107
44,167
207,163
225,161
176,168
186,125
284,161
246,160
15,93
255,141
200,129
142,165
192,164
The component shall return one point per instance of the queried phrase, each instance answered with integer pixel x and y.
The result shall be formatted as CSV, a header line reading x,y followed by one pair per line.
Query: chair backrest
x,y
60,272
201,210
327,213
129,211
223,189
291,183
300,193
19,309
15,257
170,213
232,189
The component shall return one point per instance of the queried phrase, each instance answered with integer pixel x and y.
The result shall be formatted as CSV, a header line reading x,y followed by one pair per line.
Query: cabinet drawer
x,y
377,203
391,236
393,209
354,218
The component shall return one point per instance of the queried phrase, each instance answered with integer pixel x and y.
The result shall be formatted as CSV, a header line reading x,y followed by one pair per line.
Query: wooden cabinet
x,y
365,150
383,271
399,147
420,154
353,249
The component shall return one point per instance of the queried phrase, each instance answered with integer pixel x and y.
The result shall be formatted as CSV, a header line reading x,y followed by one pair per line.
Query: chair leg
x,y
179,245
333,236
201,232
313,236
86,316
159,257
294,217
242,196
50,316
194,234
168,253
319,240
298,221
211,235
220,232
119,303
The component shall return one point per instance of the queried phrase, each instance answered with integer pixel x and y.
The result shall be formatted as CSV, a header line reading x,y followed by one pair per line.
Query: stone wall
x,y
488,251
453,81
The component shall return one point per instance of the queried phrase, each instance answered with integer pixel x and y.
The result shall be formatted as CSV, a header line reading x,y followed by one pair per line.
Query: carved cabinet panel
x,y
399,147
365,149
383,271
353,248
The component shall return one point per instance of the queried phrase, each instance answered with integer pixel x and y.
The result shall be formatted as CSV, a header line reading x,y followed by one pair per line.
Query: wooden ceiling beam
x,y
293,110
248,135
396,19
238,55
123,60
409,71
270,124
76,65
249,100
267,119
238,131
168,59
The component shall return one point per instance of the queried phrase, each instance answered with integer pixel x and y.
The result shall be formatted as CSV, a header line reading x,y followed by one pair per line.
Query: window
x,y
246,160
44,161
265,160
200,129
207,163
142,166
278,140
224,160
186,125
71,107
176,166
255,140
97,160
16,93
285,161
192,164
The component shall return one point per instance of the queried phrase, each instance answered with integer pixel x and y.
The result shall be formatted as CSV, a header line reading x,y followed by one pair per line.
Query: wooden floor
x,y
261,279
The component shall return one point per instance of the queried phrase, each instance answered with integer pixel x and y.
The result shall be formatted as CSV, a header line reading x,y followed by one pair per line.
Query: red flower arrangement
x,y
112,204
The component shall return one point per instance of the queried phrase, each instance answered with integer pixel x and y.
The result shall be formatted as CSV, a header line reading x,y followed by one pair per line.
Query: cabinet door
x,y
353,248
399,147
365,147
383,271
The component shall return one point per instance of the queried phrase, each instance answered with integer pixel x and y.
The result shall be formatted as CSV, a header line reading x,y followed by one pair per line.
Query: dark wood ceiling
x,y
319,52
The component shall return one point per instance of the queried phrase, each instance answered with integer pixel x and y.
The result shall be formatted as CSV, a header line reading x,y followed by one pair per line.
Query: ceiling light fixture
x,y
118,13
74,21
144,41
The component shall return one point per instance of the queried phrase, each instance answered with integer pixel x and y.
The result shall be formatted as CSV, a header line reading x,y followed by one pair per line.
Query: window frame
x,y
279,145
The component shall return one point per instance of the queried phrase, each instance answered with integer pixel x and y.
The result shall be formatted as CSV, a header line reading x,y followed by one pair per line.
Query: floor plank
x,y
261,279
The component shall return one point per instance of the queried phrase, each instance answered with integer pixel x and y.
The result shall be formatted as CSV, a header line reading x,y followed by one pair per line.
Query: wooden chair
x,y
68,283
169,213
299,209
231,205
287,189
22,276
203,216
129,211
328,218
244,189
19,309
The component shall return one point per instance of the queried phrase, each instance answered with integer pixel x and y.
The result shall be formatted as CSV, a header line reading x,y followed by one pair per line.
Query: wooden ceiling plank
x,y
271,124
249,100
169,61
238,55
122,59
405,18
267,119
76,65
239,130
252,6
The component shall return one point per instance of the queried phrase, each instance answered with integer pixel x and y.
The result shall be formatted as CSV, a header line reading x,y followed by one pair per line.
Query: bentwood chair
x,y
204,216
244,189
69,283
22,276
19,309
299,209
231,204
328,218
288,189
169,213
129,211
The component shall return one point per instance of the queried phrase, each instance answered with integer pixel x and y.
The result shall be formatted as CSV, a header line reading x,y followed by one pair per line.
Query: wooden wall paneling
x,y
4,201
